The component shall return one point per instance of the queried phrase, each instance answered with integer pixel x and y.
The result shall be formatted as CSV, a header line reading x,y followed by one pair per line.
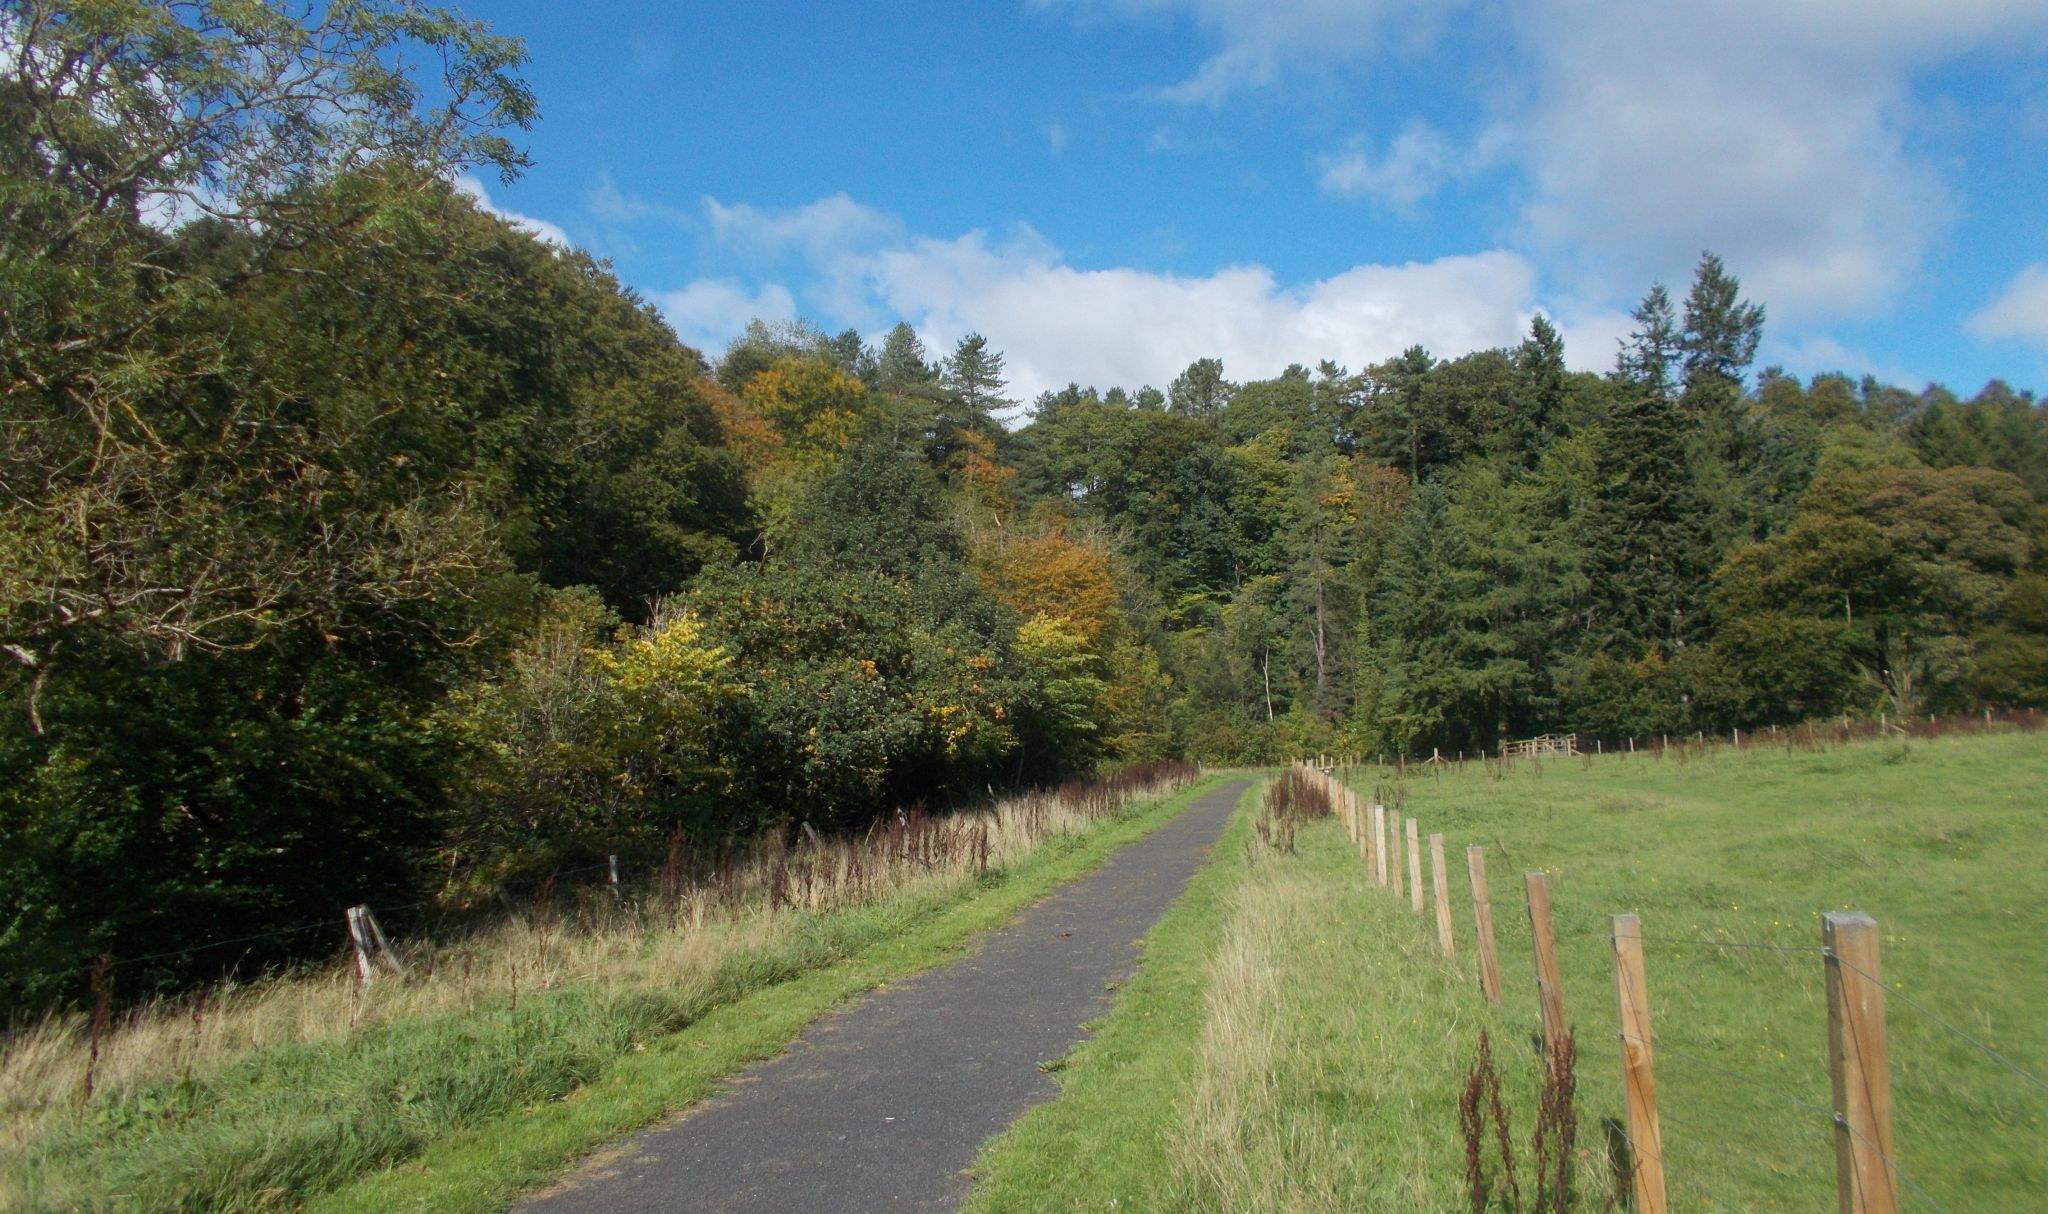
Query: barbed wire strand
x,y
1924,1010
1806,1105
1690,1180
1890,1158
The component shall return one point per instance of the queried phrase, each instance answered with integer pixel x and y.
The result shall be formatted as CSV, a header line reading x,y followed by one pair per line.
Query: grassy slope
x,y
1295,1044
481,1106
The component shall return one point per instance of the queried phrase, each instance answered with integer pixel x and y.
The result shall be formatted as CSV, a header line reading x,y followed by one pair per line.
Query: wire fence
x,y
1857,1107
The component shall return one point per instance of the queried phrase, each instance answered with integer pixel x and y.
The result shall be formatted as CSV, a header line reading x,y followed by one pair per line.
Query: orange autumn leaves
x,y
1053,575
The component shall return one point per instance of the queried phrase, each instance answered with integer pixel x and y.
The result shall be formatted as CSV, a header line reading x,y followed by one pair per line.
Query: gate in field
x,y
1562,745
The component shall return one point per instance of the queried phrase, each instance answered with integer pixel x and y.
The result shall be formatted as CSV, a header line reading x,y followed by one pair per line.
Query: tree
x,y
975,375
902,362
1540,388
1651,354
1397,424
117,123
1720,337
1200,391
1645,556
1450,674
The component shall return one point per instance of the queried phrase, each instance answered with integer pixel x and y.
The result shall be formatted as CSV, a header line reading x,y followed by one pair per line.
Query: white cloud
x,y
1056,136
2019,313
1592,337
818,229
1057,323
1779,133
469,185
1772,136
1260,41
710,312
1419,162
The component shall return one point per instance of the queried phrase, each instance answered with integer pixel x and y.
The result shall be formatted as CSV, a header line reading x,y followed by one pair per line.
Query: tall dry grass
x,y
693,927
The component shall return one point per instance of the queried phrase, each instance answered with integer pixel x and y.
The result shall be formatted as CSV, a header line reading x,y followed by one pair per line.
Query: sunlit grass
x,y
262,1095
1297,1043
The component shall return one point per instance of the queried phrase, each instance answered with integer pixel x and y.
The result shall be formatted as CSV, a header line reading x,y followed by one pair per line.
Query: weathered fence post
x,y
1394,855
613,875
1358,815
1482,917
1414,869
1638,1081
1866,1180
1549,993
359,936
370,944
1444,939
1379,843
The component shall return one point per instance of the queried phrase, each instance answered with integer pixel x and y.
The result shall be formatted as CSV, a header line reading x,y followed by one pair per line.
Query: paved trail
x,y
884,1106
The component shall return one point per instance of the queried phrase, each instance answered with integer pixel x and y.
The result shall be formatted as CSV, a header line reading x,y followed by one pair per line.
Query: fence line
x,y
1868,1171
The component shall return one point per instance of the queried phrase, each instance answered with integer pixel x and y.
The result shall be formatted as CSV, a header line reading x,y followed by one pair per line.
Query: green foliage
x,y
583,745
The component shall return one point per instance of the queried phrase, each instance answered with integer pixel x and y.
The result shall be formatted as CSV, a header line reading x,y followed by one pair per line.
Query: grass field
x,y
1295,1042
520,1049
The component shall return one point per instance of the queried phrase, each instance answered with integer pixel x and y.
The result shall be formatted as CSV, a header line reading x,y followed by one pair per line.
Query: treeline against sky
x,y
357,546
1451,553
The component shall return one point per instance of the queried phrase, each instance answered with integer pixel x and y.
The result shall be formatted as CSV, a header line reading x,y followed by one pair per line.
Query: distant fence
x,y
1868,1175
1699,743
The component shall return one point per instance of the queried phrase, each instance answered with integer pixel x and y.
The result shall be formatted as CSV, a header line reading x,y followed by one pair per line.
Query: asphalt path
x,y
883,1106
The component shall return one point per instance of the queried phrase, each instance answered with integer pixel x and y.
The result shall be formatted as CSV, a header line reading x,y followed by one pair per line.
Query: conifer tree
x,y
975,374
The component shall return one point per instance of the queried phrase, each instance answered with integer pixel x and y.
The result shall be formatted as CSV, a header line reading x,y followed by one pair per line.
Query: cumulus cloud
x,y
1772,135
2020,312
1776,132
1419,162
553,234
1056,322
710,312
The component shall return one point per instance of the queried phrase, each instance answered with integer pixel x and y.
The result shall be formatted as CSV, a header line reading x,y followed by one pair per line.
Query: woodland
x,y
357,546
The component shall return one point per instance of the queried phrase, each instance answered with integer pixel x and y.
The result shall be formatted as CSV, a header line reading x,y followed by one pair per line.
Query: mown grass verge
x,y
1294,1041
464,1110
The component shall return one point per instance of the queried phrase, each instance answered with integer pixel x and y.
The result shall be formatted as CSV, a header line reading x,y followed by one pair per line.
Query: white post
x,y
359,936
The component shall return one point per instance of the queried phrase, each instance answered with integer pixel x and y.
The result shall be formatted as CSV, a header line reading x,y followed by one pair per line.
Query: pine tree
x,y
975,375
1647,551
902,361
1540,372
1721,335
1652,351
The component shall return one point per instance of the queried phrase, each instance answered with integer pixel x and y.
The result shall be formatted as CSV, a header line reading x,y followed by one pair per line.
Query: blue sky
x,y
1110,189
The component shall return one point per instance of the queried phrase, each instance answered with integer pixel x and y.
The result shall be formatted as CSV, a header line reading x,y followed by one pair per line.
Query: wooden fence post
x,y
613,876
1414,869
359,936
1482,916
1358,815
1394,855
1638,1081
1550,995
370,944
1379,843
1444,938
1866,1181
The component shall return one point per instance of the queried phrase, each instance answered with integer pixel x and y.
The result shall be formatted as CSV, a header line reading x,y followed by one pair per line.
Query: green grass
x,y
465,1111
1294,1042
